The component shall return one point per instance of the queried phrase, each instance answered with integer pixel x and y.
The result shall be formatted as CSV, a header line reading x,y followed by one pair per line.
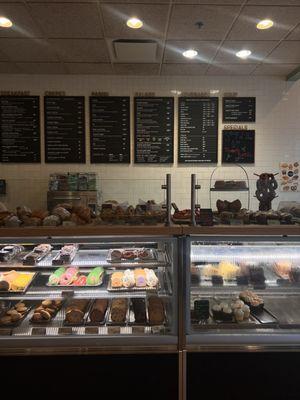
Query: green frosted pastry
x,y
95,276
55,277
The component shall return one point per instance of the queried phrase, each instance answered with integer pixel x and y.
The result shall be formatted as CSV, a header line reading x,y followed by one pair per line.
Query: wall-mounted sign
x,y
235,127
153,130
239,109
289,176
20,129
238,147
110,129
198,129
64,129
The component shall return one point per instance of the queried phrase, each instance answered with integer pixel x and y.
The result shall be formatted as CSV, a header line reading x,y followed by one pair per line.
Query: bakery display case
x,y
88,294
242,293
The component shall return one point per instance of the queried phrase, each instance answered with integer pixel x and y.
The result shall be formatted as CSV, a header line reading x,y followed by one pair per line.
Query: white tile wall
x,y
277,138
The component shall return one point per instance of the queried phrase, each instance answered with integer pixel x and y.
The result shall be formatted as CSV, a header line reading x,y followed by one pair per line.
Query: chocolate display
x,y
65,255
139,310
75,311
156,310
118,310
37,254
98,310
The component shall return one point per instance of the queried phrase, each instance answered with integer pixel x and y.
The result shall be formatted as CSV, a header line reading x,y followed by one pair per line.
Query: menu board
x,y
64,129
154,130
198,129
110,129
238,147
20,129
239,109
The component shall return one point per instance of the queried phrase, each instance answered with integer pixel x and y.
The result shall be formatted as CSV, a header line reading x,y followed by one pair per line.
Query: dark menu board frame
x,y
238,146
154,137
239,109
64,122
110,129
20,132
198,127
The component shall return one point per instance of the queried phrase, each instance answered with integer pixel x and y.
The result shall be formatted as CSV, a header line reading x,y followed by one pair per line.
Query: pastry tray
x,y
56,260
42,255
75,286
211,323
138,261
90,323
134,288
85,316
45,322
108,313
29,304
9,292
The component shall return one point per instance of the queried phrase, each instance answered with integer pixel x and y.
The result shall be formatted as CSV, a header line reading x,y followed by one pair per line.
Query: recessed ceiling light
x,y
134,23
5,22
243,54
265,24
190,53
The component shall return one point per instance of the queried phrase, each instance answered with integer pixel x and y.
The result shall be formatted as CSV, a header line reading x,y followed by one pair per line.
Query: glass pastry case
x,y
88,294
242,293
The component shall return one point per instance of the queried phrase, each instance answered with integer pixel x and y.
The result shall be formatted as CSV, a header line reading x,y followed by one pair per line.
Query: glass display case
x,y
88,294
242,292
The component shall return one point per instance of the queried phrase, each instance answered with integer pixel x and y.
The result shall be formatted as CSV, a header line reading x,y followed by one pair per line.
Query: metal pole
x,y
193,199
167,188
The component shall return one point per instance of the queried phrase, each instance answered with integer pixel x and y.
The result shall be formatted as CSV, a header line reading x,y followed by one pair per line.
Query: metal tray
x,y
265,317
137,261
134,288
46,322
74,286
34,275
112,323
42,255
57,261
286,309
86,313
106,315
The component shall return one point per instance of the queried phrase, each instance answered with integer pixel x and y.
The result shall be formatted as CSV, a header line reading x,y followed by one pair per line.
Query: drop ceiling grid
x,y
84,55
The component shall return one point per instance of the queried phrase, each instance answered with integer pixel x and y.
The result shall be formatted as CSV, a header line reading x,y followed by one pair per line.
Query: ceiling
x,y
76,36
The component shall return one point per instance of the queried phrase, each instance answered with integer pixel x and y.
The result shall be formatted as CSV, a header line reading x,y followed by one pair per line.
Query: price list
x,y
239,109
20,129
110,129
198,129
154,130
64,129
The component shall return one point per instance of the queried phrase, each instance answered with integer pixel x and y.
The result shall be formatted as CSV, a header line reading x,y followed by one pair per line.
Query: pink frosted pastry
x,y
140,277
69,276
80,281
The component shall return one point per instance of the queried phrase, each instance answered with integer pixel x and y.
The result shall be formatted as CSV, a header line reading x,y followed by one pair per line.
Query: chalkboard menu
x,y
238,147
110,129
198,129
239,109
64,129
20,129
154,129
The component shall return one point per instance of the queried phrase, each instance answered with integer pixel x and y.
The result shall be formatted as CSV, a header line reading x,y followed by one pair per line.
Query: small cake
x,y
94,278
116,255
140,277
98,310
128,278
209,270
69,276
118,310
139,310
54,278
156,310
228,270
283,269
116,280
75,311
254,301
80,281
151,278
143,254
128,254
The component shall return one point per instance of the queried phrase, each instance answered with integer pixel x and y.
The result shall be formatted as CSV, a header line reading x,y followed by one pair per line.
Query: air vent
x,y
135,51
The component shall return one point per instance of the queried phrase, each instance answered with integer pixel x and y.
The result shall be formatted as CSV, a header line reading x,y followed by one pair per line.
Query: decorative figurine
x,y
265,190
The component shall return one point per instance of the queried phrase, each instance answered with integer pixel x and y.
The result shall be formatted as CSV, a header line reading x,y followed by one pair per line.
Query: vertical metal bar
x,y
182,375
168,199
193,199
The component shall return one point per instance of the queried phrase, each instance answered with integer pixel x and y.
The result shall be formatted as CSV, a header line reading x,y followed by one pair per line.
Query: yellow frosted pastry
x,y
209,270
228,270
117,280
21,281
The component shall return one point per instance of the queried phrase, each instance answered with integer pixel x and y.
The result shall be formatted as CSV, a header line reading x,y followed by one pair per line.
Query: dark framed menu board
x,y
153,130
239,109
64,129
238,147
20,129
198,129
110,129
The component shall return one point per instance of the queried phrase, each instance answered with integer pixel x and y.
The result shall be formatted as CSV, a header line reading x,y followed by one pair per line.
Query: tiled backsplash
x,y
277,139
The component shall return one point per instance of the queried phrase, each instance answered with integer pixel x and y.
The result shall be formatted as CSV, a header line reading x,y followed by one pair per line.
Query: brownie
x,y
156,310
76,310
118,310
98,310
139,310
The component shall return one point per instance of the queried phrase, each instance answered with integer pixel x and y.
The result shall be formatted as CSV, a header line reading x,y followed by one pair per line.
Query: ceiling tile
x,y
23,23
27,50
274,2
62,20
8,68
259,50
230,69
206,51
285,18
153,16
295,35
41,68
287,52
86,50
89,68
136,69
216,21
184,69
275,69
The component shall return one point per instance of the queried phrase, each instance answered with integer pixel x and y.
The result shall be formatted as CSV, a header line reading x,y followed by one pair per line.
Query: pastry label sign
x,y
198,129
239,109
110,129
64,129
154,130
20,129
